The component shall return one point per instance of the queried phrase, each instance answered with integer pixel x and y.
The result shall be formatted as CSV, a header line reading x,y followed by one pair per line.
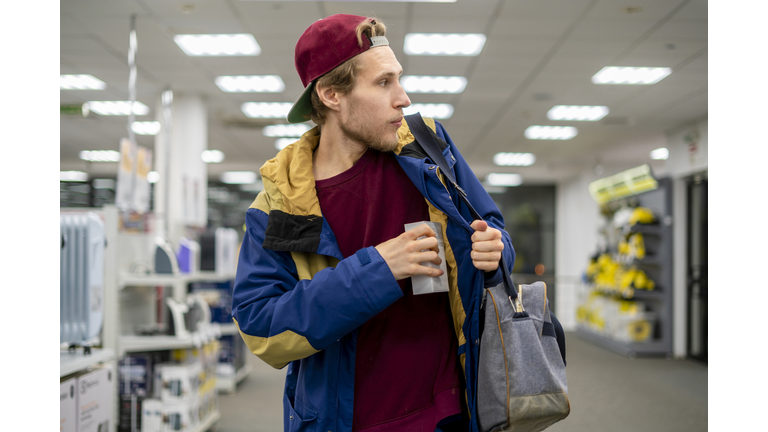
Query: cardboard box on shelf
x,y
68,407
94,400
152,415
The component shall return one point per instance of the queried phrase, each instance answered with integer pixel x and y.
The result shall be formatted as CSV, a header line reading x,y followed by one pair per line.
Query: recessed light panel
x,y
514,159
435,111
550,132
238,177
282,143
251,84
100,155
660,154
501,179
286,130
218,44
117,108
266,109
444,44
73,176
145,127
212,156
630,75
433,84
81,82
577,113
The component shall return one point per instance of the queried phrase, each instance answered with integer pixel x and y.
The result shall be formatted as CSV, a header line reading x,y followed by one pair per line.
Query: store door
x,y
697,267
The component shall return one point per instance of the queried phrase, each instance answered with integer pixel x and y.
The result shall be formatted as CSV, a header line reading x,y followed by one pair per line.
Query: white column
x,y
186,172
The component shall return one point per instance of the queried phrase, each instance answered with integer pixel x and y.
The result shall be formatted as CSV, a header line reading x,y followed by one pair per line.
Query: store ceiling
x,y
538,54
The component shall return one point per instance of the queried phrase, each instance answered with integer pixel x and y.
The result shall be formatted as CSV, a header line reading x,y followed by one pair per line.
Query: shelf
x,y
632,350
72,362
228,329
130,279
653,229
131,343
228,385
204,426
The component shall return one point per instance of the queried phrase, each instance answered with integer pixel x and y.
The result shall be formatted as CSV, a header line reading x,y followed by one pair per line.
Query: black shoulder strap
x,y
428,142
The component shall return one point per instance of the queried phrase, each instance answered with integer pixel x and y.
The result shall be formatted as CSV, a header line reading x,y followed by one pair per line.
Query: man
x,y
324,276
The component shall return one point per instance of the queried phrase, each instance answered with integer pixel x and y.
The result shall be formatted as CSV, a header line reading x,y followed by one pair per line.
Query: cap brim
x,y
302,108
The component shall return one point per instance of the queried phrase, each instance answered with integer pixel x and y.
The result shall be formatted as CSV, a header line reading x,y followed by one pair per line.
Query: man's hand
x,y
486,246
403,254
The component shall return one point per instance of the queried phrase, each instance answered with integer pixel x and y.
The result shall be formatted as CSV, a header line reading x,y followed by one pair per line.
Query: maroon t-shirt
x,y
407,373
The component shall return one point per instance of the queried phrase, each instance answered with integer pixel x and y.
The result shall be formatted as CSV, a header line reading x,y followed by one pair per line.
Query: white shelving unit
x,y
76,361
229,385
122,249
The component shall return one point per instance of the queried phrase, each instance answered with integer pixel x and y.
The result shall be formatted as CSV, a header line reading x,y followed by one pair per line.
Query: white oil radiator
x,y
82,277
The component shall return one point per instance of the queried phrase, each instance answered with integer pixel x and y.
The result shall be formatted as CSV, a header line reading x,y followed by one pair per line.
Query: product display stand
x,y
657,264
118,339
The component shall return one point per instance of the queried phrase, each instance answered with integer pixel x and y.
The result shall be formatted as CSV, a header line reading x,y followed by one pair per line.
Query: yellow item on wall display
x,y
642,215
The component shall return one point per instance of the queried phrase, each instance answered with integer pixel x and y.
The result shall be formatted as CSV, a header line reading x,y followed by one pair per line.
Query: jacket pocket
x,y
298,418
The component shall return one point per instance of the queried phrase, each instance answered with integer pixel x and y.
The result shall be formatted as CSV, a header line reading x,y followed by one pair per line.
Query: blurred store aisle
x,y
608,393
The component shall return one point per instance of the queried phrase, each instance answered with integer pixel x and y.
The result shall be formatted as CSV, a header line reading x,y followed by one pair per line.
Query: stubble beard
x,y
359,129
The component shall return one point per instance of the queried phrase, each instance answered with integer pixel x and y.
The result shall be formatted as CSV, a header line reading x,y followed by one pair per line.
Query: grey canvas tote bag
x,y
521,374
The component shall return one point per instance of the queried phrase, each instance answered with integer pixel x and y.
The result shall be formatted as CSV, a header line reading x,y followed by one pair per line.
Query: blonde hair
x,y
342,78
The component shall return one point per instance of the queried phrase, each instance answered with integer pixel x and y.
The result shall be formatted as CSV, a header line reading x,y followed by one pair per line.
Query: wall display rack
x,y
626,297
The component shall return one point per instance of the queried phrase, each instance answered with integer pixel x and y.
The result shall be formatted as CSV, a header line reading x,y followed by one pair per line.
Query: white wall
x,y
576,235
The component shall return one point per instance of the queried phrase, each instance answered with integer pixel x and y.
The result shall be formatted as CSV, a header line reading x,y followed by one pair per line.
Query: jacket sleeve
x,y
482,203
282,318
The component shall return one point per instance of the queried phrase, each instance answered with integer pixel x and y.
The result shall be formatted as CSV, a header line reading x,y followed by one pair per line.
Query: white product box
x,y
68,409
178,382
176,417
94,400
423,284
152,415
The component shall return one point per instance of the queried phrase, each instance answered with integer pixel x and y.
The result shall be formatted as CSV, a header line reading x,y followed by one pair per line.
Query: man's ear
x,y
329,97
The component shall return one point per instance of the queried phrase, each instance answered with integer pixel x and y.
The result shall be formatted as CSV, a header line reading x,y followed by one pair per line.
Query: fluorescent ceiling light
x,y
577,113
266,109
100,155
146,127
117,107
81,82
218,44
433,84
514,159
630,75
238,177
660,154
251,84
153,176
497,179
467,44
286,130
551,132
435,111
74,176
282,143
212,156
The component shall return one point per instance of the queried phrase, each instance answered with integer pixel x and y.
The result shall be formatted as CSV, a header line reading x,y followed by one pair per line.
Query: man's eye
x,y
384,82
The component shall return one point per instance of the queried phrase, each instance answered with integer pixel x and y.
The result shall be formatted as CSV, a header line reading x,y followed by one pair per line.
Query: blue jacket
x,y
298,302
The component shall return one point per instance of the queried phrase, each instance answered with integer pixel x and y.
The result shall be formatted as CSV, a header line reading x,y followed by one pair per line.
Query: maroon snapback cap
x,y
326,44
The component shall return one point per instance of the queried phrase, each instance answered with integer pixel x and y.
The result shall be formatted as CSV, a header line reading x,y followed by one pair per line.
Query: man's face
x,y
373,111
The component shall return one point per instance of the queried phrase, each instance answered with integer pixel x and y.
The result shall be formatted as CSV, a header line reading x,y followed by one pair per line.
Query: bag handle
x,y
425,137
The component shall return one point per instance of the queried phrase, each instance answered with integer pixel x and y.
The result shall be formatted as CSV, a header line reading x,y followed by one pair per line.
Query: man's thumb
x,y
479,225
